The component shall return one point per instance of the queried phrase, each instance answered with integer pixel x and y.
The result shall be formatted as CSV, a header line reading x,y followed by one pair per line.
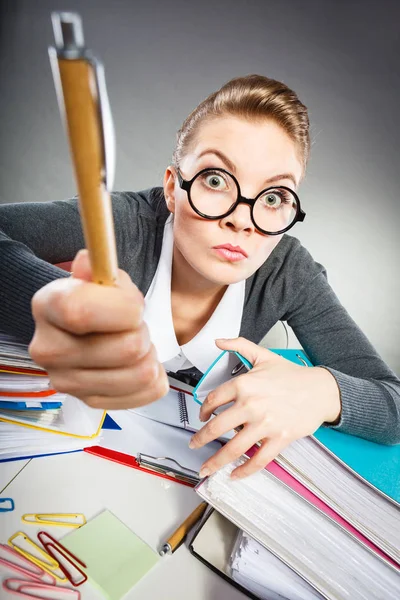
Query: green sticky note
x,y
115,557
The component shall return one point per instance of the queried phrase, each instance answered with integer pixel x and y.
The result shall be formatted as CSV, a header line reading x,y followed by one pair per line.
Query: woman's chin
x,y
225,274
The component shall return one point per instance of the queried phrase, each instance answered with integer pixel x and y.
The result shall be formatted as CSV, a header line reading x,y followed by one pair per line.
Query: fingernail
x,y
235,475
204,472
192,443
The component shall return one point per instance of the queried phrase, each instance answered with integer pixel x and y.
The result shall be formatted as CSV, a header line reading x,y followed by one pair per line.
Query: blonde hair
x,y
250,97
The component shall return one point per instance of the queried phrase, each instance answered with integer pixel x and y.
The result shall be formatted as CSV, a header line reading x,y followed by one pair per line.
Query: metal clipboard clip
x,y
183,474
34,590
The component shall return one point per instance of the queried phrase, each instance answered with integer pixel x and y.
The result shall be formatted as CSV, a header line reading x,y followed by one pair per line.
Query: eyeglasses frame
x,y
186,184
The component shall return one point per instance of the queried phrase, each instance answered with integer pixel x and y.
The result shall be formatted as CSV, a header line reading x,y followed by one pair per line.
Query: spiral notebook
x,y
176,408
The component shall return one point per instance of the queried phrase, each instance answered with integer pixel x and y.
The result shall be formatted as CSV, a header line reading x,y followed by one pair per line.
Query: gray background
x,y
163,58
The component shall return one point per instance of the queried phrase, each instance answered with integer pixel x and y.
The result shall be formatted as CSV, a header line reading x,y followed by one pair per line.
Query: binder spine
x,y
183,412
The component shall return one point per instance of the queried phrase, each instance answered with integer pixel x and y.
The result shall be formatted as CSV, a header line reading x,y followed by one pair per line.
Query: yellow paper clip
x,y
55,519
48,564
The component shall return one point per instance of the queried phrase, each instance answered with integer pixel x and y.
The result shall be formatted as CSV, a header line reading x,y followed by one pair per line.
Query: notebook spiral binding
x,y
183,412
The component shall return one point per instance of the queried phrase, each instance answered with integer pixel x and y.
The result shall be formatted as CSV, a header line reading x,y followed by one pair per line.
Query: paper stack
x,y
338,562
34,419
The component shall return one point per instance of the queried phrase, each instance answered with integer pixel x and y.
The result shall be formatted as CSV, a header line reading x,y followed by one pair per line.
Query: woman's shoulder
x,y
149,203
291,262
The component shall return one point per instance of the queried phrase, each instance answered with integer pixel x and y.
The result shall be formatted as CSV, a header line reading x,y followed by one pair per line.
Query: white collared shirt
x,y
200,351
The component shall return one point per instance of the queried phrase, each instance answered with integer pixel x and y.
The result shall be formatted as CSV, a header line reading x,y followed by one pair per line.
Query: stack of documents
x,y
332,557
34,419
280,582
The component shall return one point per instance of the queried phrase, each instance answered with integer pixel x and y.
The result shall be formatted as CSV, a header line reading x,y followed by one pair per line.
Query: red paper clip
x,y
56,551
31,590
29,569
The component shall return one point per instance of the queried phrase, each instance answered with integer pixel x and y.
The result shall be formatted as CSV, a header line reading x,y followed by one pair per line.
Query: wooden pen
x,y
83,101
177,538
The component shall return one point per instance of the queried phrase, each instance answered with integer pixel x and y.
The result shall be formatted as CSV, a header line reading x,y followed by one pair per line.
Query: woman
x,y
211,254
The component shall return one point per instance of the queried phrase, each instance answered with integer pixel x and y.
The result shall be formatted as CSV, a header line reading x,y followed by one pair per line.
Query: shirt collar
x,y
225,322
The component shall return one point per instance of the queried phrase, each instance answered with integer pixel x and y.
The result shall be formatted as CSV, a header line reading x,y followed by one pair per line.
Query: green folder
x,y
115,557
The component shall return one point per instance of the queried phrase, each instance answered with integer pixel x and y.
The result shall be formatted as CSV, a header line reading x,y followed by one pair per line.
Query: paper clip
x,y
28,568
76,520
56,551
48,564
8,508
32,589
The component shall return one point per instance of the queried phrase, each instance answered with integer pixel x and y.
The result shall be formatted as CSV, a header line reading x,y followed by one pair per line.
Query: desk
x,y
152,507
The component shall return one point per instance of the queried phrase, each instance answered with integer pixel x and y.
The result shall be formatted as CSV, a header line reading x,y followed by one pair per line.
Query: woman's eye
x,y
272,199
215,182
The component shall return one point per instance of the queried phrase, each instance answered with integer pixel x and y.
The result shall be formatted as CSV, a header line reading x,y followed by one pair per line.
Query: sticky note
x,y
116,558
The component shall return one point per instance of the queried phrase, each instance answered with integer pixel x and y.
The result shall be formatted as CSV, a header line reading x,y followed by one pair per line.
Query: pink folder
x,y
298,487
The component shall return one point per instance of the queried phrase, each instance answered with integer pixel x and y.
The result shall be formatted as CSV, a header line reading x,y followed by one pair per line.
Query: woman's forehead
x,y
246,147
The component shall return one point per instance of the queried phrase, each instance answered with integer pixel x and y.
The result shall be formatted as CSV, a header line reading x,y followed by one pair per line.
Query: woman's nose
x,y
239,219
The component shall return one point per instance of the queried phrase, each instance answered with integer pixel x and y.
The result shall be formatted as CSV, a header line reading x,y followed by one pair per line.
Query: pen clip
x,y
69,40
107,132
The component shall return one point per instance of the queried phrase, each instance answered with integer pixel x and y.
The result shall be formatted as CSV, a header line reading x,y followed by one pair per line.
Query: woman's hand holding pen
x,y
93,342
276,401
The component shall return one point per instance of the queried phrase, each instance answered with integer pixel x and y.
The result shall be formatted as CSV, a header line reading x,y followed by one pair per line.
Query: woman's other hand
x,y
276,401
93,342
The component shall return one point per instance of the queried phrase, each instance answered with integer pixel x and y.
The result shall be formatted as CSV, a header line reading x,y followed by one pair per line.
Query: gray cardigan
x,y
290,286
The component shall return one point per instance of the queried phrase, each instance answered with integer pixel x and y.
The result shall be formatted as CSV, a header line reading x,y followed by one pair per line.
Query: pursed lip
x,y
232,248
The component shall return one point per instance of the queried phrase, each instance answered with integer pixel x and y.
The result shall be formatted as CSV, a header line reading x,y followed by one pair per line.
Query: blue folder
x,y
24,406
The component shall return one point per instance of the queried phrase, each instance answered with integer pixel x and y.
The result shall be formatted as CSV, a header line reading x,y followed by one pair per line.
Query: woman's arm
x,y
369,390
35,236
350,387
32,236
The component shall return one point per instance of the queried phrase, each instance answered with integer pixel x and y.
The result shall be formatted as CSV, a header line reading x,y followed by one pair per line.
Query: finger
x,y
254,353
107,382
217,426
236,447
154,392
82,307
234,390
81,269
54,348
270,448
223,394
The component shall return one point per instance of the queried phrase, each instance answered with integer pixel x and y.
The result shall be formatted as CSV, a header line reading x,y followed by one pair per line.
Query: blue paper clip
x,y
6,508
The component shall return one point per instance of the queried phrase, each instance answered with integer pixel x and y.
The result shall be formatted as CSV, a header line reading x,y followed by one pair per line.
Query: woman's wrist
x,y
331,396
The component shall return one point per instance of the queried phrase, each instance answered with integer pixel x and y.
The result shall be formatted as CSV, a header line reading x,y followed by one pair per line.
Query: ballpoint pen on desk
x,y
82,97
177,538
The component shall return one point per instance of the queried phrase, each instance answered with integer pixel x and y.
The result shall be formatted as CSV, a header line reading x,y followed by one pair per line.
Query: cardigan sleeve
x,y
369,389
34,236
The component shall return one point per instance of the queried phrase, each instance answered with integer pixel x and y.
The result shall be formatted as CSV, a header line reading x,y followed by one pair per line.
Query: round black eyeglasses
x,y
215,193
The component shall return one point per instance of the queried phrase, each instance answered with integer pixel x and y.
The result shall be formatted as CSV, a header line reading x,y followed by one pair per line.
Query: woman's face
x,y
259,154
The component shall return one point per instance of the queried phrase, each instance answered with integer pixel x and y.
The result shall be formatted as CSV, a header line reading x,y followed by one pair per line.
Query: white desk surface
x,y
150,506
9,470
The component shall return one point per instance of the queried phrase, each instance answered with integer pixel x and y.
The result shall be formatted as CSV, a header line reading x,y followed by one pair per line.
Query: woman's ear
x,y
169,188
